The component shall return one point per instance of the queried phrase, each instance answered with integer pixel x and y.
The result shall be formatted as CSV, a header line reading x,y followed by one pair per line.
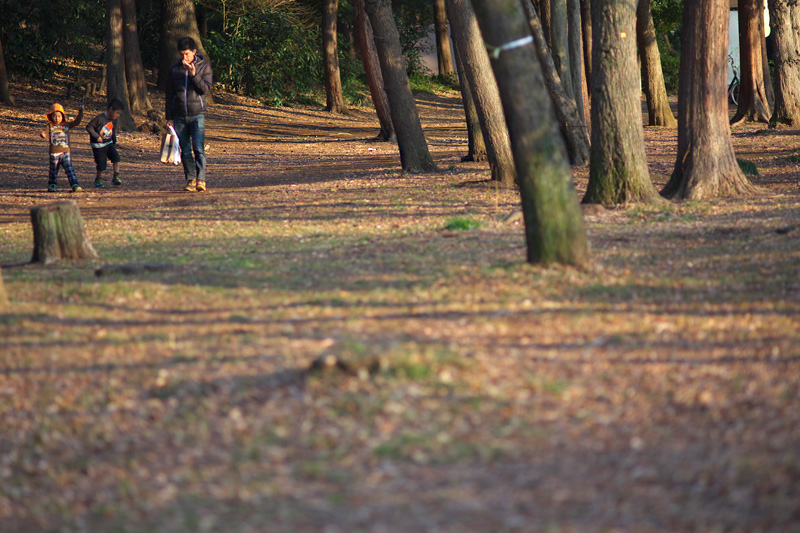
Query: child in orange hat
x,y
58,133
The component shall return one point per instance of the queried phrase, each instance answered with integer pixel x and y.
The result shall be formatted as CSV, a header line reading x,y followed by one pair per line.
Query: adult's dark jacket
x,y
185,94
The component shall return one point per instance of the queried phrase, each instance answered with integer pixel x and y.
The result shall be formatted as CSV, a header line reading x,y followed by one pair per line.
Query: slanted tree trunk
x,y
618,171
115,64
559,39
753,101
784,18
481,82
334,96
476,144
178,19
655,90
5,94
573,127
443,54
58,233
706,165
546,17
554,230
134,70
575,52
414,154
372,69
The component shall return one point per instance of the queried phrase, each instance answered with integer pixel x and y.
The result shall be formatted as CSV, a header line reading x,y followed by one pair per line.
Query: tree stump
x,y
58,233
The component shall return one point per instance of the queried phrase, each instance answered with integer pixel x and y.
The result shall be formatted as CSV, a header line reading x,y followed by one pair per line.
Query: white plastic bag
x,y
170,148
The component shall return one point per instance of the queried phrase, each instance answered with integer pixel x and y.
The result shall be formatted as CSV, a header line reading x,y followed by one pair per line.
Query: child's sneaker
x,y
201,186
77,188
98,182
51,187
191,185
115,180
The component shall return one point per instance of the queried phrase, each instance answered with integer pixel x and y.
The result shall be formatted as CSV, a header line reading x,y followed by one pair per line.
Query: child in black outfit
x,y
103,138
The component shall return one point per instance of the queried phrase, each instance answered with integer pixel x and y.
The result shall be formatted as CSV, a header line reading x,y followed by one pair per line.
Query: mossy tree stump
x,y
58,233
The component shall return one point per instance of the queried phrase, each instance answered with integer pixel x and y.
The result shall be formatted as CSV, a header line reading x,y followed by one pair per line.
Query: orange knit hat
x,y
53,109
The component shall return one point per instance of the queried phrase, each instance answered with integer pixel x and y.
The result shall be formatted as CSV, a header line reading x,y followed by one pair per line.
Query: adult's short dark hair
x,y
186,43
116,103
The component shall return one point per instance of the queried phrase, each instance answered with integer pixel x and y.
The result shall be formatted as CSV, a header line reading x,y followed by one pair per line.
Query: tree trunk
x,y
618,171
554,230
545,17
573,127
706,165
58,233
115,64
476,143
784,18
372,69
769,88
5,94
485,94
414,154
134,70
334,96
575,52
3,293
559,38
586,25
443,54
658,111
178,19
753,102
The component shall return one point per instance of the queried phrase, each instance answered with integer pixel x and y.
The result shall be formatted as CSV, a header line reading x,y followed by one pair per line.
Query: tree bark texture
x,y
659,112
618,171
485,94
117,86
706,165
753,101
334,95
768,85
545,16
575,52
443,53
372,69
586,27
559,39
58,233
134,70
476,145
5,93
414,154
554,230
784,18
572,126
178,19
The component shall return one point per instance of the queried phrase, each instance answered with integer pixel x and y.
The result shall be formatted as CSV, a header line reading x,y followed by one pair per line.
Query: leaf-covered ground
x,y
656,390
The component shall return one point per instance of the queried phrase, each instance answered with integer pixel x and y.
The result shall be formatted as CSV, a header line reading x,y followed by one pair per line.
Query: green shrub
x,y
462,223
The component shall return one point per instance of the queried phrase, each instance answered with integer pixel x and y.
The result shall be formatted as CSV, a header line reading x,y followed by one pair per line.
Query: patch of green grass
x,y
420,83
748,167
462,223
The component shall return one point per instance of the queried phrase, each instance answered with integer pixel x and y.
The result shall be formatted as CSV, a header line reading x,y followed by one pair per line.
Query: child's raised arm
x,y
78,119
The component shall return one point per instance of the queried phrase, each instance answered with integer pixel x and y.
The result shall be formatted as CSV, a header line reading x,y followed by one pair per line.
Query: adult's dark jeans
x,y
191,132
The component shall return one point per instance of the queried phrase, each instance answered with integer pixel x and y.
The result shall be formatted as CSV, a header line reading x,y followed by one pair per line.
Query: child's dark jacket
x,y
102,126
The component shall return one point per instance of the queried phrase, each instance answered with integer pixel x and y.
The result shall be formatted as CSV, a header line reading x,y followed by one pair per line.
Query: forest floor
x,y
656,390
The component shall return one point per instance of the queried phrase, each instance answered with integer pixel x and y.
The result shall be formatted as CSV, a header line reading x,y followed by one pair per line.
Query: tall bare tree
x,y
586,27
559,40
706,165
618,171
134,70
554,230
5,93
116,86
576,53
753,101
483,86
784,18
658,111
443,53
572,124
334,94
476,143
414,154
372,69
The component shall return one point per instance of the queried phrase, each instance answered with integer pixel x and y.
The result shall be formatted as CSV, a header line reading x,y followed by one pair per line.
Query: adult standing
x,y
188,83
